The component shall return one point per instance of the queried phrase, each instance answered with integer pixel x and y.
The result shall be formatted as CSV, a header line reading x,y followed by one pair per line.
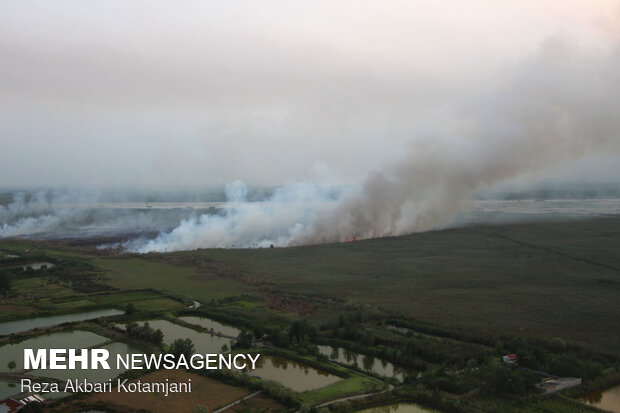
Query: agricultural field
x,y
533,280
188,281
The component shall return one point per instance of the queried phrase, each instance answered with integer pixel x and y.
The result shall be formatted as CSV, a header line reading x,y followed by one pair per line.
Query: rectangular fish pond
x,y
26,324
371,364
292,374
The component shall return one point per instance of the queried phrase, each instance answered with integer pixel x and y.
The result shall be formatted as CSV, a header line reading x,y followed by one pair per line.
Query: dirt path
x,y
359,396
249,396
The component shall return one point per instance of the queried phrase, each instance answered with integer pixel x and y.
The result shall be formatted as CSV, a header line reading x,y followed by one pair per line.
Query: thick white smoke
x,y
275,221
73,213
38,213
557,107
561,105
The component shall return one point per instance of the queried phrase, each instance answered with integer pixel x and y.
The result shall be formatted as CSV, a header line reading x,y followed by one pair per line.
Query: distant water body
x,y
478,208
131,220
527,210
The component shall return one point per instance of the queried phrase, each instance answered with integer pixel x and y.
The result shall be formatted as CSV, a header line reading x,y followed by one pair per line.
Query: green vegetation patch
x,y
356,383
540,280
131,272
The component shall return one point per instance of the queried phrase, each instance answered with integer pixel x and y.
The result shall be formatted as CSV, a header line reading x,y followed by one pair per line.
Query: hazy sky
x,y
154,93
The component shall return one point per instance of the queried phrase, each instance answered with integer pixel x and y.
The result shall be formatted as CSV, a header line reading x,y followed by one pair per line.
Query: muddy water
x,y
69,339
212,324
203,342
97,375
377,366
72,339
297,376
18,326
399,408
606,400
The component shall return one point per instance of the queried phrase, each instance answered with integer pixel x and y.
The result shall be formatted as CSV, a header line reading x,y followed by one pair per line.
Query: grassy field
x,y
187,281
536,280
50,298
358,383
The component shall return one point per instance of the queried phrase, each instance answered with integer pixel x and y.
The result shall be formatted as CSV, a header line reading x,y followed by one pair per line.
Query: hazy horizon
x,y
366,119
159,95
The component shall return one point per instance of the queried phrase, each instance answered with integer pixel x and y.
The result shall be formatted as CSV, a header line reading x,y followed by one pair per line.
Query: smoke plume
x,y
73,213
275,221
557,107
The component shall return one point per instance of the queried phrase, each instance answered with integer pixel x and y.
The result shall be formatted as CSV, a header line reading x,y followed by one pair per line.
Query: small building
x,y
510,359
15,403
10,405
32,398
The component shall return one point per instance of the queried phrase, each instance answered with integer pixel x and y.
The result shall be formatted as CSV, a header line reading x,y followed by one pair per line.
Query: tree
x,y
245,339
132,329
182,346
158,336
130,309
12,365
224,348
301,330
506,381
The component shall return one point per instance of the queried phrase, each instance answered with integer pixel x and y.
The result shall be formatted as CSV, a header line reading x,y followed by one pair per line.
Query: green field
x,y
536,280
187,281
51,298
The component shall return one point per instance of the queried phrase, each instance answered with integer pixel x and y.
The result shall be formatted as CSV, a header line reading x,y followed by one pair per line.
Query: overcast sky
x,y
185,93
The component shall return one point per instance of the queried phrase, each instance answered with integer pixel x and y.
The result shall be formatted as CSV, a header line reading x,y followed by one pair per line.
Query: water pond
x,y
18,326
399,408
97,375
203,342
68,339
607,400
297,376
212,324
377,366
